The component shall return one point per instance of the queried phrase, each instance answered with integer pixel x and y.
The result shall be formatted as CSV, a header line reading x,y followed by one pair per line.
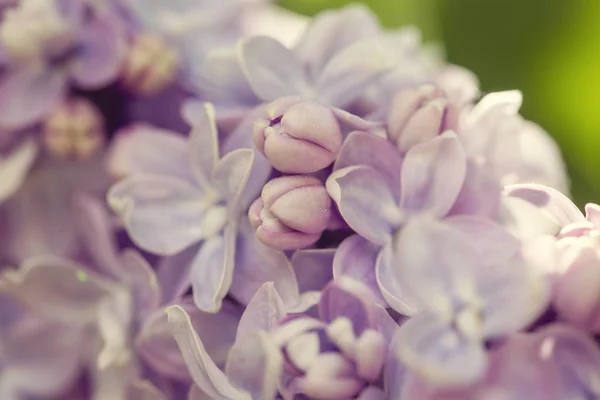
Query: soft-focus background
x,y
549,49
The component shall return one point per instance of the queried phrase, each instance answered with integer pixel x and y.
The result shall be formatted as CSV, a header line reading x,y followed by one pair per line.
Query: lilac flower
x,y
48,46
292,212
119,303
14,167
332,357
340,54
39,357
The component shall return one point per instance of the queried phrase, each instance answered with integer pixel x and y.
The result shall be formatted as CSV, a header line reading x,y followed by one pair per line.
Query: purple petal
x,y
255,365
140,277
144,390
362,148
356,258
434,351
174,273
203,143
550,200
313,268
96,232
144,149
494,242
14,168
204,372
256,264
58,289
264,311
161,214
372,393
272,70
102,53
330,32
231,175
481,193
212,269
354,68
156,345
365,202
28,95
525,220
398,294
433,174
348,298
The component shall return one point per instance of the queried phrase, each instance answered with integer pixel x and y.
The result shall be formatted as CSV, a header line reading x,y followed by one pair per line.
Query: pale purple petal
x,y
362,148
204,372
203,143
101,58
174,273
58,289
365,202
481,193
142,280
212,269
264,311
313,268
356,258
144,149
271,69
144,390
14,168
433,174
433,350
255,364
28,95
231,175
256,264
161,214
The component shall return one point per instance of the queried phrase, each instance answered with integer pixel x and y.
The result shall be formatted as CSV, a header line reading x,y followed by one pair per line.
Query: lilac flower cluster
x,y
224,200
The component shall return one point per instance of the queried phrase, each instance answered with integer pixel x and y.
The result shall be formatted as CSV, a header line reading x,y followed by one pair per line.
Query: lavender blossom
x,y
332,357
48,46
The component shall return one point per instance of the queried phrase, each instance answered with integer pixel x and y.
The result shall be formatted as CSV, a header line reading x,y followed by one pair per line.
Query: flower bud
x,y
74,129
418,115
298,137
292,212
150,65
576,296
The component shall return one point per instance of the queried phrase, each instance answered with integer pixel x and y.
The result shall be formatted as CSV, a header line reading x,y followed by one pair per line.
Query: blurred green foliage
x,y
549,49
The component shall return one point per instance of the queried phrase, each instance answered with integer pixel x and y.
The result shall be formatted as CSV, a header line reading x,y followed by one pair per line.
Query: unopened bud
x,y
298,137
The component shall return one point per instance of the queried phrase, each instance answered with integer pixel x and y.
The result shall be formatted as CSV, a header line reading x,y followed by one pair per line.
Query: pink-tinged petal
x,y
351,70
433,174
212,269
351,299
203,143
332,31
550,200
255,364
481,193
460,84
144,390
484,114
272,70
256,264
174,273
363,148
155,343
365,201
434,351
144,149
264,311
102,54
204,372
592,214
398,294
29,94
14,168
161,214
356,258
525,220
58,289
494,242
97,234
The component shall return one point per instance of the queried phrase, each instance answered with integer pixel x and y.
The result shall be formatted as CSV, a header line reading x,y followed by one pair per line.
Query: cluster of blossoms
x,y
206,199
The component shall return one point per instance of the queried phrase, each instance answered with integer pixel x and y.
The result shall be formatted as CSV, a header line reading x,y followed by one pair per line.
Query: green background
x,y
549,49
